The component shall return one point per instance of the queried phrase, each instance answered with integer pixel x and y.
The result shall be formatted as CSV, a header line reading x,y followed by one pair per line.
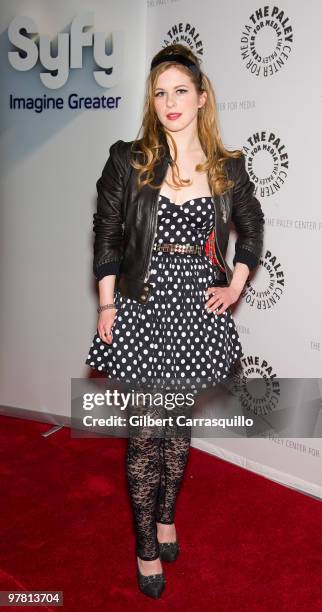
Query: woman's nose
x,y
170,103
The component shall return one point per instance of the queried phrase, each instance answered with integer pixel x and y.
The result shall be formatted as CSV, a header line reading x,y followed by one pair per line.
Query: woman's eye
x,y
157,95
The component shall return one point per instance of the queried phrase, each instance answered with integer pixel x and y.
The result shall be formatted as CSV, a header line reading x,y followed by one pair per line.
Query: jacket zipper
x,y
146,278
219,251
154,234
223,268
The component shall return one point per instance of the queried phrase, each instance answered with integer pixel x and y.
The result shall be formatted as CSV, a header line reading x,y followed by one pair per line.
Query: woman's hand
x,y
220,298
105,323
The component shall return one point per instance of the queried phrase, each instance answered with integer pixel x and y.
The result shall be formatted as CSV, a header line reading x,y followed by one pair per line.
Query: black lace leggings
x,y
155,468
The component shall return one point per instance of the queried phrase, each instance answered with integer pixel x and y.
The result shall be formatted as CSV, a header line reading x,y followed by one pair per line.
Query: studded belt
x,y
193,249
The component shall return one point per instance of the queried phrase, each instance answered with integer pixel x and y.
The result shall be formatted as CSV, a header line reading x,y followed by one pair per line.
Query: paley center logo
x,y
256,385
267,162
268,286
185,33
266,41
57,55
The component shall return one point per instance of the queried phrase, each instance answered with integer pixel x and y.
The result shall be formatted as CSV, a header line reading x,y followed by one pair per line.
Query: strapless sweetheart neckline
x,y
187,202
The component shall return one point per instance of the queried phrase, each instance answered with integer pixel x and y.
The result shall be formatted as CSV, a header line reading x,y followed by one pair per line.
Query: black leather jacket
x,y
125,223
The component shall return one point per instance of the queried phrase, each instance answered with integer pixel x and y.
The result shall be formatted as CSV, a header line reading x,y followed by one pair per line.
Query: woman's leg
x,y
143,473
174,455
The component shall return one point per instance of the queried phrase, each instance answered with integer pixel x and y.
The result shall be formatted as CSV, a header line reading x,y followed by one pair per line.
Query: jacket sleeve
x,y
107,220
248,218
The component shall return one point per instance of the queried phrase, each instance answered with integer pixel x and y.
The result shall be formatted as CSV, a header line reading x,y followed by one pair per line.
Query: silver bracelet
x,y
100,308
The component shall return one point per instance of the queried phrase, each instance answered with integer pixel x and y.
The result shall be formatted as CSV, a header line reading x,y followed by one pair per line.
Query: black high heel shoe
x,y
169,551
152,585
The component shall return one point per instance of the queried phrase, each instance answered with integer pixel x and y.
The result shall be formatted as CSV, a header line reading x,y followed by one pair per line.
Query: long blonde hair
x,y
151,144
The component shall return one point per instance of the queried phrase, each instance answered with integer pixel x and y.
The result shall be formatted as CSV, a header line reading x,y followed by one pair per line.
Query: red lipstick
x,y
173,115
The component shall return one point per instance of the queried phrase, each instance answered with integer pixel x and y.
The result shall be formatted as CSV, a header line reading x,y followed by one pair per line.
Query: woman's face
x,y
176,99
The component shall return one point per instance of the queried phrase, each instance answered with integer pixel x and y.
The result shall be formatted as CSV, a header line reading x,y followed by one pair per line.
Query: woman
x,y
164,308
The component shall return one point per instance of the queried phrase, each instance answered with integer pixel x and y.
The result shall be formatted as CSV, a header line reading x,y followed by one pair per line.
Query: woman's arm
x,y
108,228
108,221
106,288
219,298
240,276
247,216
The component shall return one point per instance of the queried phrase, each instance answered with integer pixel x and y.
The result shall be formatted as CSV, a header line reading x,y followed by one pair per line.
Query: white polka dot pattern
x,y
172,335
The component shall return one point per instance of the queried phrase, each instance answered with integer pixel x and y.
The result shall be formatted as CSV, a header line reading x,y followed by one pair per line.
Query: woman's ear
x,y
202,99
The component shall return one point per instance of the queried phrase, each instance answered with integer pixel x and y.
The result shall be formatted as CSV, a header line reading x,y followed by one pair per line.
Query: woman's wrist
x,y
240,275
106,290
107,306
236,291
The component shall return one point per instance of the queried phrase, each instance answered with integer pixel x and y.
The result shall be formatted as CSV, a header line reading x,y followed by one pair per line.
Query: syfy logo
x,y
69,52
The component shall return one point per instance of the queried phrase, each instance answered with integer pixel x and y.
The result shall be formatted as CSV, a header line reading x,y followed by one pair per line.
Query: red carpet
x,y
246,543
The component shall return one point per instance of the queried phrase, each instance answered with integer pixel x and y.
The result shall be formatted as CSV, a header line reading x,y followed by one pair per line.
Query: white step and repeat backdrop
x,y
51,159
264,61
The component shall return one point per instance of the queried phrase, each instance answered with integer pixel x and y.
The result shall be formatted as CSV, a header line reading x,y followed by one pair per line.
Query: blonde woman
x,y
164,305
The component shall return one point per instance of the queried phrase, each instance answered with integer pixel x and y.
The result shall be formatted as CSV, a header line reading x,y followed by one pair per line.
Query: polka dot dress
x,y
172,335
